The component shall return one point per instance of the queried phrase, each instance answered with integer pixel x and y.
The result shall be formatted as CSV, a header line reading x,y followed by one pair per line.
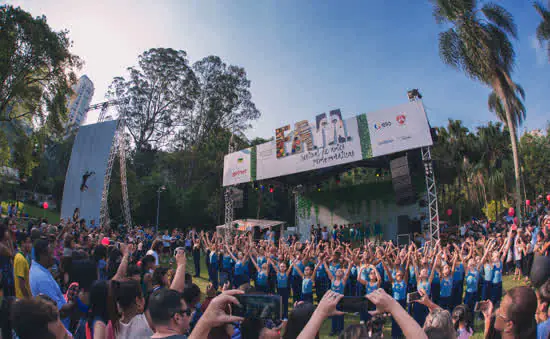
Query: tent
x,y
244,225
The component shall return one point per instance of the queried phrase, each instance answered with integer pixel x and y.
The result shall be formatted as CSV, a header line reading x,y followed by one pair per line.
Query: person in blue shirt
x,y
213,266
239,277
308,281
497,261
446,285
261,278
424,280
321,281
458,277
283,273
370,279
296,278
398,284
338,284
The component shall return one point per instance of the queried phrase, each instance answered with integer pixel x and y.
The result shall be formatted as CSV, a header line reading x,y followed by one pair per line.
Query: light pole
x,y
160,189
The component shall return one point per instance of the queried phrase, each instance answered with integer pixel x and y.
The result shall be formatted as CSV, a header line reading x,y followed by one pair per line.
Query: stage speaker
x,y
403,225
415,226
401,180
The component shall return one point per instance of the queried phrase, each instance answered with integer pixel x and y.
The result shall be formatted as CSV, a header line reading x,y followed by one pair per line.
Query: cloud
x,y
540,51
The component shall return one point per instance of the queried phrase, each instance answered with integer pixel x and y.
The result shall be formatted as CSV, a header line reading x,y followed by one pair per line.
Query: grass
x,y
33,211
202,282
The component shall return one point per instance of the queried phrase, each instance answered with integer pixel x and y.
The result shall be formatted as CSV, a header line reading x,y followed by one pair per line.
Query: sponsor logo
x,y
380,125
239,173
240,160
401,119
384,142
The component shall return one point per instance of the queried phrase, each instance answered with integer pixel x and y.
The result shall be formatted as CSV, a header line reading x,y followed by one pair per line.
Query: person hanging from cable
x,y
83,186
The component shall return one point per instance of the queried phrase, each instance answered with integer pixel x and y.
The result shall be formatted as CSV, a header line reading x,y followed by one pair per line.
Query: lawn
x,y
202,282
33,211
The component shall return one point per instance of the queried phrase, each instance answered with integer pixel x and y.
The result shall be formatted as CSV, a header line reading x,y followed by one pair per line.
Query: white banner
x,y
329,142
398,129
236,167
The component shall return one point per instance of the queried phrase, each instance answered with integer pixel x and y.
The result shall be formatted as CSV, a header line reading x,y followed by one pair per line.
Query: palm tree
x,y
516,104
478,44
543,29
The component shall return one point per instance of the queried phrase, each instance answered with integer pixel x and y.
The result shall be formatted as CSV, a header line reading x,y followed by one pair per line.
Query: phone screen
x,y
261,306
353,304
413,296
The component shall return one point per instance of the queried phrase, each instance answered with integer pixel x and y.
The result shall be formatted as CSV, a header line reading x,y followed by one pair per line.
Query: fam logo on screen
x,y
325,132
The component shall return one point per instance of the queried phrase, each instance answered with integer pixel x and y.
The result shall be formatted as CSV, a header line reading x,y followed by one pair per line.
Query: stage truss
x,y
228,197
118,146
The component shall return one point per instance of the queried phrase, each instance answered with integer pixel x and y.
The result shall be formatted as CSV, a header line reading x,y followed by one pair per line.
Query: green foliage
x,y
543,29
494,209
36,66
5,154
25,155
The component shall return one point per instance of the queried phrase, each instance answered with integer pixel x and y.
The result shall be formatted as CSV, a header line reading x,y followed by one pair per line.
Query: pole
x,y
158,211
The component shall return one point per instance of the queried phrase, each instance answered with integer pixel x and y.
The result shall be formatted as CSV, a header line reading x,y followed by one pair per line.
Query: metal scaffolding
x,y
118,146
228,197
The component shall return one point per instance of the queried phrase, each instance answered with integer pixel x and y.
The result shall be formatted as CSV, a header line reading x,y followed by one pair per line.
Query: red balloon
x,y
45,205
548,197
516,220
511,211
449,212
528,202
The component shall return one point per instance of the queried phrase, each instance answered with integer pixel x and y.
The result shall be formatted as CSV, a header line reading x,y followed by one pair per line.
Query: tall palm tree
x,y
543,29
516,105
478,43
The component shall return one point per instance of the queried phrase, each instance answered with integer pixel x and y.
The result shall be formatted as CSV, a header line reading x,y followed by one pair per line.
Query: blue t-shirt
x,y
321,271
307,286
371,287
338,288
488,272
425,285
260,261
282,280
214,259
446,287
261,280
365,273
399,290
497,274
543,330
458,275
471,281
412,275
333,268
226,262
239,268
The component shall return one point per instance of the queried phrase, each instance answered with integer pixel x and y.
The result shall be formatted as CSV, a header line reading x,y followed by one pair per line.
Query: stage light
x,y
318,187
256,186
337,179
379,172
262,187
271,189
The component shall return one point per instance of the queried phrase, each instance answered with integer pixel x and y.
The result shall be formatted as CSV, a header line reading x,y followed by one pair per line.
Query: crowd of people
x,y
77,280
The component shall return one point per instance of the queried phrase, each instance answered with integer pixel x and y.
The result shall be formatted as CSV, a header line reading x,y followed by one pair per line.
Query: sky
x,y
303,57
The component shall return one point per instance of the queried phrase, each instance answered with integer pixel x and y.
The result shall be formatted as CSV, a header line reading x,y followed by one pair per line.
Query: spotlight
x,y
256,186
271,189
262,187
337,179
378,172
318,187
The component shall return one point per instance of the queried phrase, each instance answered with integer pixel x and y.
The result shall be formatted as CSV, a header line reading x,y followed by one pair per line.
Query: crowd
x,y
82,281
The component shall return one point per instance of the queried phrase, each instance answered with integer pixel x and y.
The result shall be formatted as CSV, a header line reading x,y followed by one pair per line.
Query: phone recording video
x,y
353,304
413,296
260,306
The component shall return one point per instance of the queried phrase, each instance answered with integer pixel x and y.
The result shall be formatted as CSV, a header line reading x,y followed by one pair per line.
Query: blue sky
x,y
303,57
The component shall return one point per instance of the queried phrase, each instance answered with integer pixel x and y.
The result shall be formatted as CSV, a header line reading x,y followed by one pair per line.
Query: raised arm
x,y
120,274
298,270
178,284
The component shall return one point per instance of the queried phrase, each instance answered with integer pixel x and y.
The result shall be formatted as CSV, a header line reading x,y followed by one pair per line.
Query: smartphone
x,y
178,249
353,304
413,296
480,306
261,306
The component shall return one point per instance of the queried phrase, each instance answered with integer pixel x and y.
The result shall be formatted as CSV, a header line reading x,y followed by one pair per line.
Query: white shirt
x,y
137,328
154,254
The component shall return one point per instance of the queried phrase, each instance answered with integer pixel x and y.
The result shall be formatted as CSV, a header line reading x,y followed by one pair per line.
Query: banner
x,y
236,167
329,141
398,129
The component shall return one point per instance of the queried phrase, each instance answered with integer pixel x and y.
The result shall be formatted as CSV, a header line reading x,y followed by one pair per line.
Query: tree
x,y
35,64
518,110
543,29
224,101
157,95
5,154
478,44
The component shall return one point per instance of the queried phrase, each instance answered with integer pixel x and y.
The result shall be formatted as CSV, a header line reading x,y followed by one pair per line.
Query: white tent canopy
x,y
248,224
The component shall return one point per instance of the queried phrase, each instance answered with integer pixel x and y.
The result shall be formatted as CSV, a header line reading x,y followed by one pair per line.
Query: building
x,y
79,102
